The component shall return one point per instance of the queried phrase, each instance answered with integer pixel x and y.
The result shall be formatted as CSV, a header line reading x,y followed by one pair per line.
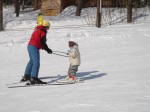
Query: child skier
x,y
37,42
74,59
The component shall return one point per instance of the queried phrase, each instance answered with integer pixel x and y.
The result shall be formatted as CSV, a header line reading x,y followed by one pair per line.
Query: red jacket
x,y
39,33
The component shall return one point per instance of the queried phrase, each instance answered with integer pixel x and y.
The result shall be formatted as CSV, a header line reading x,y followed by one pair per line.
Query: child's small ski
x,y
63,81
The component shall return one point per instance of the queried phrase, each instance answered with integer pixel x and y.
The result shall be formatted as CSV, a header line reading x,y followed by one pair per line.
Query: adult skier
x,y
37,42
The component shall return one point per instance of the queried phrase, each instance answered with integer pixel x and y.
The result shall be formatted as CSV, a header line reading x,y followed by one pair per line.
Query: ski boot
x,y
25,78
34,81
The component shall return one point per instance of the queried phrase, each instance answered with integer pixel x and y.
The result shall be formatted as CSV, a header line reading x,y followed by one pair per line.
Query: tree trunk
x,y
23,2
147,2
79,7
129,11
114,3
98,18
17,8
35,4
1,15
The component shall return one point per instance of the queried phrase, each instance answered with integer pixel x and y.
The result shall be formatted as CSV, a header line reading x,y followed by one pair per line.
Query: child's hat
x,y
72,43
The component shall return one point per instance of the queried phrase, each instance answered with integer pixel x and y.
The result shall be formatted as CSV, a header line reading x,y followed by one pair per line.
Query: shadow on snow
x,y
83,75
90,75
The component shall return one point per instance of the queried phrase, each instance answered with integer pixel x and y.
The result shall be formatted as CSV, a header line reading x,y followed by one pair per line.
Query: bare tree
x,y
98,18
79,7
36,4
23,3
1,15
129,11
17,8
147,2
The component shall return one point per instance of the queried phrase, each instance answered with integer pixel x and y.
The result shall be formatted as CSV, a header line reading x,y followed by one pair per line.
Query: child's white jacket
x,y
74,55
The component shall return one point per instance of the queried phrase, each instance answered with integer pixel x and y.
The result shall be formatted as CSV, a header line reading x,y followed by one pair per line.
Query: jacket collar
x,y
41,28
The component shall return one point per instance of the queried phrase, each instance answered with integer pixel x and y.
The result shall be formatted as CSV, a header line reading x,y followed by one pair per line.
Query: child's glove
x,y
68,52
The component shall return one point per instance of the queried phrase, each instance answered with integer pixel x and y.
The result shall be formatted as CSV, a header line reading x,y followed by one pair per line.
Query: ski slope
x,y
114,64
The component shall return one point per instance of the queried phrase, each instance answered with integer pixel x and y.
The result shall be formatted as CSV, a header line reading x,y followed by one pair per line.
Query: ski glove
x,y
49,51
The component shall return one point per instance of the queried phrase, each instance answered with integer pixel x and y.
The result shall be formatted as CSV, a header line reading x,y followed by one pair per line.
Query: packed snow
x,y
115,64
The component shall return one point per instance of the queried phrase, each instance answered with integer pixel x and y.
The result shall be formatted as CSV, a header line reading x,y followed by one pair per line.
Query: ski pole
x,y
60,52
60,55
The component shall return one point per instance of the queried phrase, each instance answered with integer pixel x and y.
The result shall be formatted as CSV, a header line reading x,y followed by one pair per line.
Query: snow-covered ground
x,y
115,66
